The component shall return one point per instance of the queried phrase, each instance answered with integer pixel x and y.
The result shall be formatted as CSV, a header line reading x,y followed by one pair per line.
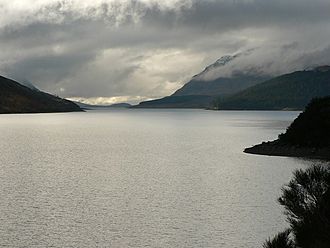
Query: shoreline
x,y
276,148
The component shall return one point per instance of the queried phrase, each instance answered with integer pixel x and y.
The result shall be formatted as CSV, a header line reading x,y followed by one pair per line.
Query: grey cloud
x,y
49,67
272,60
148,48
220,15
314,58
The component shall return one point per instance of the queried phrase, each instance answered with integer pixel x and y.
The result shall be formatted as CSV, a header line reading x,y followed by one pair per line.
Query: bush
x,y
306,200
312,127
281,240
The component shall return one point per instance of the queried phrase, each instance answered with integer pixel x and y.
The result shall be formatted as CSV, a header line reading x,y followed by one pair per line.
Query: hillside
x,y
220,86
17,98
307,136
312,127
200,93
289,91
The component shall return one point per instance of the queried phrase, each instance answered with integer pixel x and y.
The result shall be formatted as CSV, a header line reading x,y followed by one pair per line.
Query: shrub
x,y
281,240
306,200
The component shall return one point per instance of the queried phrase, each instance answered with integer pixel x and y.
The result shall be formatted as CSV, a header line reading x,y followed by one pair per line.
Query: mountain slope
x,y
219,87
17,98
200,93
289,91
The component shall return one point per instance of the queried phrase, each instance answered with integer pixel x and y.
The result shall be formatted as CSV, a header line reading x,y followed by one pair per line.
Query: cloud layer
x,y
105,50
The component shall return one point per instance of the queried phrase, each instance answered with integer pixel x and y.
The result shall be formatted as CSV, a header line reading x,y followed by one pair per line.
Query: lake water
x,y
141,178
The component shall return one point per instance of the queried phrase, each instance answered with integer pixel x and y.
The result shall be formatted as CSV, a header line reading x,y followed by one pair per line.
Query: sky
x,y
107,51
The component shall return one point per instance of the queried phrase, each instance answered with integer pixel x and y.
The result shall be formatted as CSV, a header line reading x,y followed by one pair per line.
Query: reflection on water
x,y
140,178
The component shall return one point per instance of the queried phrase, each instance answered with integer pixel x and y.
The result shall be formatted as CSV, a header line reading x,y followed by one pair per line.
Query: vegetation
x,y
289,91
281,240
312,127
306,200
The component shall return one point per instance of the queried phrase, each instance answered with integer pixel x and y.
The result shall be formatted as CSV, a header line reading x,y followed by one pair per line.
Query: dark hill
x,y
289,91
312,127
16,98
307,136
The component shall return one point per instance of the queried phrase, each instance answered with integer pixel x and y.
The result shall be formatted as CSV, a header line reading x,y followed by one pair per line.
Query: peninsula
x,y
308,135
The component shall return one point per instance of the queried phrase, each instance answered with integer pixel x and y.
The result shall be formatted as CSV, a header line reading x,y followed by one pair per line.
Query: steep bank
x,y
307,136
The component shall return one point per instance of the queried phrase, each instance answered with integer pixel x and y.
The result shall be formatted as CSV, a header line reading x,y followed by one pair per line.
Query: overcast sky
x,y
131,50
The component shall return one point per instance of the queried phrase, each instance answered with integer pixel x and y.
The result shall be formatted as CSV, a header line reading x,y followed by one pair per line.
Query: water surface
x,y
141,178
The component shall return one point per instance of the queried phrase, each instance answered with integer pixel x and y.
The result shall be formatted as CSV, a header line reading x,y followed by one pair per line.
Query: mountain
x,y
200,93
307,136
290,91
220,86
17,98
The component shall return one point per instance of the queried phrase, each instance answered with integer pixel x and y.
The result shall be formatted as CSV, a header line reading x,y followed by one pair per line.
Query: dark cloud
x,y
148,48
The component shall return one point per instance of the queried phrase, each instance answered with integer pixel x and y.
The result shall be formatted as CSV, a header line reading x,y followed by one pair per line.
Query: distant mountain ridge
x,y
199,93
17,98
91,106
288,91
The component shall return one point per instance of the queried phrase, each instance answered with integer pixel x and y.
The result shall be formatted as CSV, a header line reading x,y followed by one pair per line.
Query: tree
x,y
281,240
306,200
